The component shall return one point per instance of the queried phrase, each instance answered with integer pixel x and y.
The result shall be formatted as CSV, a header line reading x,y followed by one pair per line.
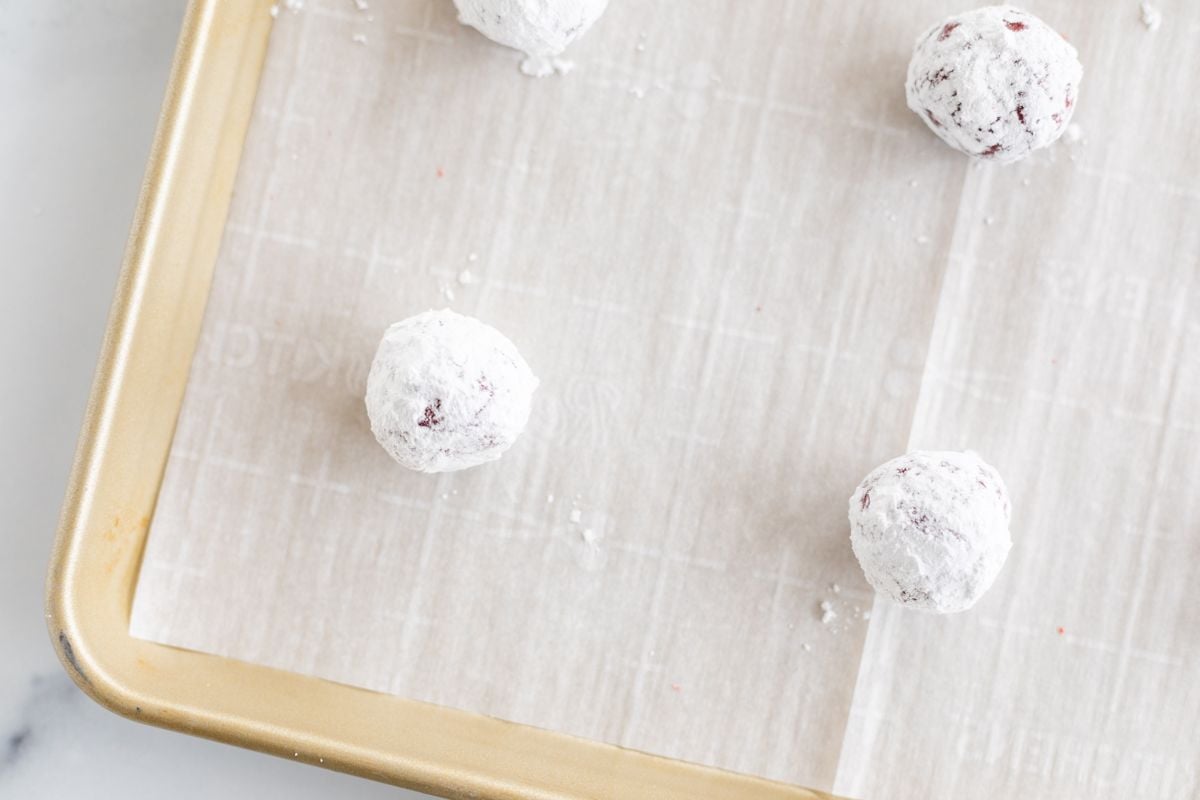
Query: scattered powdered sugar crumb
x,y
1151,16
835,588
549,499
274,10
637,92
922,239
359,38
361,5
542,66
590,536
988,220
472,257
828,615
866,615
914,183
576,515
293,5
466,278
1074,133
807,647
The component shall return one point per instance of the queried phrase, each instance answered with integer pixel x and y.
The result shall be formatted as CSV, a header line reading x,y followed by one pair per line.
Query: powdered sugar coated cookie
x,y
447,392
541,29
996,83
930,529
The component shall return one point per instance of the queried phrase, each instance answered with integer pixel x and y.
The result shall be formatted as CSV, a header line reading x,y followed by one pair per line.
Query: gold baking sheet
x,y
118,469
1044,314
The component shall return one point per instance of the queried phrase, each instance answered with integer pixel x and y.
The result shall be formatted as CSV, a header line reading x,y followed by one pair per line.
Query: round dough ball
x,y
930,529
540,28
447,392
996,83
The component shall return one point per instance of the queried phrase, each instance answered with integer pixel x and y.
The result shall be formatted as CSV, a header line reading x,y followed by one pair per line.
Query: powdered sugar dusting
x,y
542,66
1151,17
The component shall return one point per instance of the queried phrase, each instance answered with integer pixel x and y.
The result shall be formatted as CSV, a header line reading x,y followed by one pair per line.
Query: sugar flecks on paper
x,y
541,66
1151,16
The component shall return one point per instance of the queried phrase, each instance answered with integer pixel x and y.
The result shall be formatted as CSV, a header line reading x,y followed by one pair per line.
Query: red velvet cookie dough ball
x,y
996,83
930,529
447,392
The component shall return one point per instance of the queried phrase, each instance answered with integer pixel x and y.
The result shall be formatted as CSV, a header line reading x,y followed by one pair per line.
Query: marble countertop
x,y
80,85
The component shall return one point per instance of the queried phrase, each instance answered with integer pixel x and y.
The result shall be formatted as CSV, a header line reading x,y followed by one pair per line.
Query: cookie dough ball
x,y
996,83
930,529
447,392
541,29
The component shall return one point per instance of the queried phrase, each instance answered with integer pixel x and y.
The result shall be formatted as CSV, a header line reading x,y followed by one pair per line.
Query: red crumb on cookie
x,y
431,418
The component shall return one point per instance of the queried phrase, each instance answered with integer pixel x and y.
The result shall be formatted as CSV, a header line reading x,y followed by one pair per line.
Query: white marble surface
x,y
80,87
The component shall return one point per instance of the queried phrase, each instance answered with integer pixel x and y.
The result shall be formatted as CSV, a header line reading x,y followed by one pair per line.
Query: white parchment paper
x,y
745,275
